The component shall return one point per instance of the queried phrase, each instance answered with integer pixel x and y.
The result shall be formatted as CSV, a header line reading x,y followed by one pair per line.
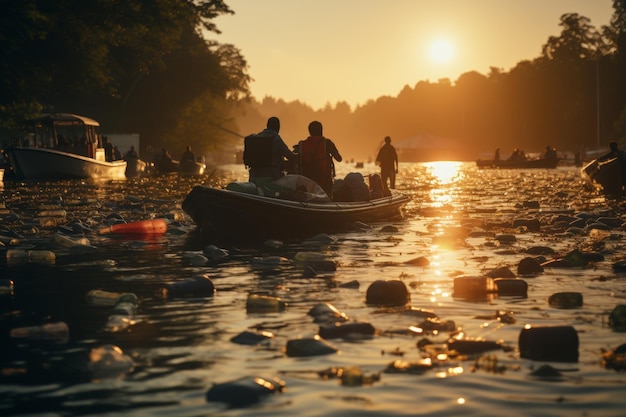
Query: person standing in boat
x,y
131,154
550,153
387,158
316,158
108,149
515,156
264,153
117,154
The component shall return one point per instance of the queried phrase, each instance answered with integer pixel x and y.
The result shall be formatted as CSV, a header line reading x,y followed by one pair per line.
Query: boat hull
x,y
605,175
191,168
524,164
236,214
42,163
135,167
185,168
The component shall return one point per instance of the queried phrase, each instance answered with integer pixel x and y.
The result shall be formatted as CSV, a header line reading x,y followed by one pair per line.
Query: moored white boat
x,y
62,145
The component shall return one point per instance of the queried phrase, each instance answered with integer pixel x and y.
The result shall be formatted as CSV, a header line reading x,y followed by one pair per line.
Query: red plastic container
x,y
142,227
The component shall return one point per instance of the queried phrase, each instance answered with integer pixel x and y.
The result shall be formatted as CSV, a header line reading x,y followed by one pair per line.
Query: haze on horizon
x,y
352,51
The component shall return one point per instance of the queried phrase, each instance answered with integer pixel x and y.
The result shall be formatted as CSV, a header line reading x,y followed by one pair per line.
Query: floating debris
x,y
309,346
252,338
387,293
257,303
549,343
109,361
245,391
566,300
615,359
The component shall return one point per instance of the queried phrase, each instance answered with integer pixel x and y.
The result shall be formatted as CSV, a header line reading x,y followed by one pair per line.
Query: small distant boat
x,y
245,209
191,168
604,175
60,146
168,166
518,164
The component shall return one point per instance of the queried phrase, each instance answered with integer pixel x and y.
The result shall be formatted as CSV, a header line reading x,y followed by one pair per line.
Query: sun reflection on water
x,y
443,175
444,172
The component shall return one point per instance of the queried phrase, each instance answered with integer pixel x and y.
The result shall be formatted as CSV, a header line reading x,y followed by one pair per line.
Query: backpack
x,y
258,151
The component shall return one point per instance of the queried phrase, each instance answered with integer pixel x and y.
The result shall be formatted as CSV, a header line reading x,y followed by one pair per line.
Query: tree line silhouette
x,y
139,68
572,97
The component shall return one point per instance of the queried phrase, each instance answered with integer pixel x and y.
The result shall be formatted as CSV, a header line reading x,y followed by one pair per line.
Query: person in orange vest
x,y
316,158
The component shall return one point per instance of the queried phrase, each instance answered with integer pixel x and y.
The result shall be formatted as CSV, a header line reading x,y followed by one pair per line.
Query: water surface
x,y
181,347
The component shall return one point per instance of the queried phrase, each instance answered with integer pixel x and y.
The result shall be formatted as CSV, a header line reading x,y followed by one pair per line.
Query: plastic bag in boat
x,y
293,187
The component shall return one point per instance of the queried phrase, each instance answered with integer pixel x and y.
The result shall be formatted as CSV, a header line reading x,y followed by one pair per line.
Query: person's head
x,y
387,140
315,128
613,146
274,124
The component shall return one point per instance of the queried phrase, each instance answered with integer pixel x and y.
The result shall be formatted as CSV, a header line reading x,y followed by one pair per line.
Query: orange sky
x,y
325,51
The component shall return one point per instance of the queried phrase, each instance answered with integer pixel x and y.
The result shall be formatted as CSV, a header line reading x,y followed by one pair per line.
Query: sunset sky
x,y
325,51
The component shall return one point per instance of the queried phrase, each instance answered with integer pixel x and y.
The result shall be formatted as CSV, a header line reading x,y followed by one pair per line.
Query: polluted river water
x,y
101,323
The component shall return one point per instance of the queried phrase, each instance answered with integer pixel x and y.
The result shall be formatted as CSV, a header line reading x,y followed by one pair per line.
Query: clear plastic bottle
x,y
53,213
103,298
42,257
257,303
21,257
17,257
303,259
54,332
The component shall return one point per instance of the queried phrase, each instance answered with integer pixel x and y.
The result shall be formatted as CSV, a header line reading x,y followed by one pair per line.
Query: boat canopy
x,y
61,131
63,118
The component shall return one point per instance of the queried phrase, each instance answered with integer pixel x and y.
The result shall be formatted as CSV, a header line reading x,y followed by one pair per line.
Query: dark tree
x,y
114,59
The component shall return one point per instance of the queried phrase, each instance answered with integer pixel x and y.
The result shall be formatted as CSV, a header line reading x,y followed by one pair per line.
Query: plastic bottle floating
x,y
21,257
141,227
108,298
52,332
108,361
67,242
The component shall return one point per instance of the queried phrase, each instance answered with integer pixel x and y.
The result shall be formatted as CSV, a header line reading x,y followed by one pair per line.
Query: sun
x,y
441,51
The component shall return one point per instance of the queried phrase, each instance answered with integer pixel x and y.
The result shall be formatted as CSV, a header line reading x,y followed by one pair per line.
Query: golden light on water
x,y
444,172
450,372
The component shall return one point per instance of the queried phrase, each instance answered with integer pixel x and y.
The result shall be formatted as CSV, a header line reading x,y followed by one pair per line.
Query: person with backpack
x,y
265,152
